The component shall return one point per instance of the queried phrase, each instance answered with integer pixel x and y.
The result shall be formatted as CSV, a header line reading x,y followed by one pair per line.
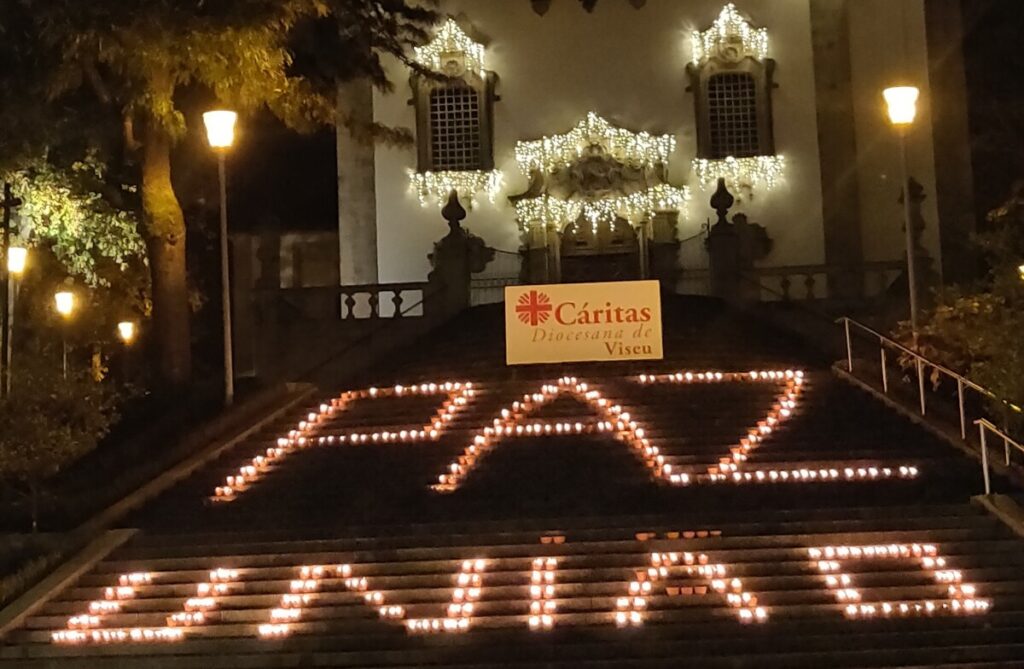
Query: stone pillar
x,y
837,146
456,258
664,249
954,179
357,195
724,248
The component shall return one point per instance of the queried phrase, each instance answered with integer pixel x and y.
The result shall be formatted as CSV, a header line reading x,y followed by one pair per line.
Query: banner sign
x,y
578,322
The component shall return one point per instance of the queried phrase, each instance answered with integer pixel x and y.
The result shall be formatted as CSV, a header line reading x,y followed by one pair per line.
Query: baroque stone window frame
x,y
423,86
762,71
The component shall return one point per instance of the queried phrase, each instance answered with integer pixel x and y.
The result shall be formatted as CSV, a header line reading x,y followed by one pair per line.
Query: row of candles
x,y
961,597
510,421
305,433
630,610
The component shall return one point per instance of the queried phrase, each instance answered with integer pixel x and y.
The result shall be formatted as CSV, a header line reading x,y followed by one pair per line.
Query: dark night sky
x,y
281,179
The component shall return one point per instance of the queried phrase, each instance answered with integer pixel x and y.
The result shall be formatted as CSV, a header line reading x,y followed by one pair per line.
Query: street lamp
x,y
17,258
220,132
902,105
64,301
126,331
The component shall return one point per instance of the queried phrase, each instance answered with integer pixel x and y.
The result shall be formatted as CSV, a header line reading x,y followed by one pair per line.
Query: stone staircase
x,y
784,520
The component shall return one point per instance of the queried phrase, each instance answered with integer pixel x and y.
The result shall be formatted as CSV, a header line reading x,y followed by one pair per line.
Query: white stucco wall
x,y
629,66
888,46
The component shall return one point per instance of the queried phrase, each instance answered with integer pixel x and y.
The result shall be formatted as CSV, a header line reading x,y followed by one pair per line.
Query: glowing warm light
x,y
450,39
542,594
17,258
633,207
550,154
902,104
755,172
64,302
220,128
728,30
306,432
435,187
126,331
961,597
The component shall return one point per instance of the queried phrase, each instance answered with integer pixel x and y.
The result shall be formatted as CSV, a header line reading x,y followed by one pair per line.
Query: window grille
x,y
455,128
732,115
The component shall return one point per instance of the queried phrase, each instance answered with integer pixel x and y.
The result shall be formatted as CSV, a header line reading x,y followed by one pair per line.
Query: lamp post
x,y
220,131
126,331
64,301
902,106
17,257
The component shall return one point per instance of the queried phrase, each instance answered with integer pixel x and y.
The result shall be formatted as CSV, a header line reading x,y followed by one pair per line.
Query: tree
x,y
976,328
141,58
48,423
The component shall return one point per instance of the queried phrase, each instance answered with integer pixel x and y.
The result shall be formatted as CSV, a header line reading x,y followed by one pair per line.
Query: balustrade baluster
x,y
397,301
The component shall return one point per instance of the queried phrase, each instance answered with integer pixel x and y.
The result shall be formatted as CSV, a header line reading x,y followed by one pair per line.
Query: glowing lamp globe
x,y
126,330
902,104
220,128
17,256
1021,270
65,302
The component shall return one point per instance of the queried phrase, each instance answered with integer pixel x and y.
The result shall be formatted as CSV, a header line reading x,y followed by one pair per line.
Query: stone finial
x,y
453,211
722,201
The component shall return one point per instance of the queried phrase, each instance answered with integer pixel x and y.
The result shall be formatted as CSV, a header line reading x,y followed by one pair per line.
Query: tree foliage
x,y
49,422
977,328
142,59
64,210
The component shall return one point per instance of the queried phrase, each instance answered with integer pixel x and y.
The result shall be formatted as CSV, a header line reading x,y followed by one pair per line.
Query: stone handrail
x,y
810,277
358,302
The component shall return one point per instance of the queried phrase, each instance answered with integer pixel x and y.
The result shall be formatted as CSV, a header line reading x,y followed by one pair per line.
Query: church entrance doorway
x,y
602,252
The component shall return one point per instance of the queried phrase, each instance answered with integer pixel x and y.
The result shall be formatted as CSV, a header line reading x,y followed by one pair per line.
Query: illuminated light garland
x,y
303,435
559,151
728,29
630,609
467,591
435,187
612,419
634,207
755,171
450,38
961,597
542,594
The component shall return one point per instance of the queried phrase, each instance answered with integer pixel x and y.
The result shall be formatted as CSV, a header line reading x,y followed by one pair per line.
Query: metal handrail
x,y
984,427
962,383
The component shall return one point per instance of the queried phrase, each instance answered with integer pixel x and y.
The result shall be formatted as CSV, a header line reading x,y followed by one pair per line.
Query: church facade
x,y
590,143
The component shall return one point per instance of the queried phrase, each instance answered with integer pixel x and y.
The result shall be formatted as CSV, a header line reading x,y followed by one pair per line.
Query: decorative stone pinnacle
x,y
453,212
722,201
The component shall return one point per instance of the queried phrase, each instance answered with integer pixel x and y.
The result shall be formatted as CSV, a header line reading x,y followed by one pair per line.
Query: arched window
x,y
456,129
731,80
454,119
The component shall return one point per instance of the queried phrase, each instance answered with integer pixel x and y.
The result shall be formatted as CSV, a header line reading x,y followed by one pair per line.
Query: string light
x,y
550,154
633,207
753,172
435,187
450,39
728,30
